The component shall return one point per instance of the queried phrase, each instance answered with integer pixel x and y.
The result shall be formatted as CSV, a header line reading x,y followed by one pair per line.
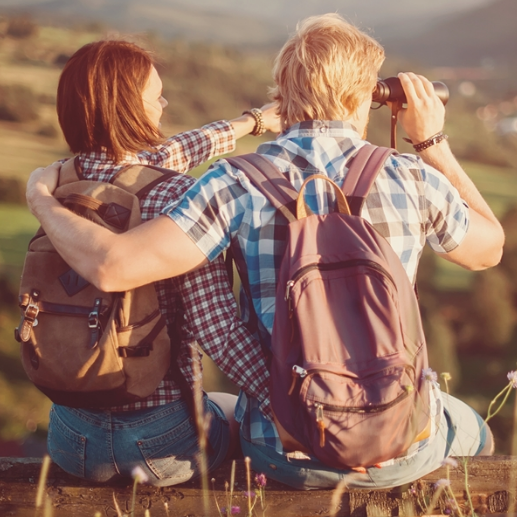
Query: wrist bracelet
x,y
435,139
259,128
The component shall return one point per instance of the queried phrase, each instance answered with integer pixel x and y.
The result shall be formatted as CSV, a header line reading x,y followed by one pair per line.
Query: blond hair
x,y
325,71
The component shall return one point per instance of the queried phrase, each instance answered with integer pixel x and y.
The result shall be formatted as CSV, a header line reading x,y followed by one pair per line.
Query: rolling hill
x,y
243,23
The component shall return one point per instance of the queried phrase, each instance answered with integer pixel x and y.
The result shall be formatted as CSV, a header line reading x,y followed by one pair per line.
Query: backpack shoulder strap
x,y
363,170
70,171
141,179
266,177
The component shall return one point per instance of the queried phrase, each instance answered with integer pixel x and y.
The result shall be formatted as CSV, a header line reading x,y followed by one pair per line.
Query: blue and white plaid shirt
x,y
410,204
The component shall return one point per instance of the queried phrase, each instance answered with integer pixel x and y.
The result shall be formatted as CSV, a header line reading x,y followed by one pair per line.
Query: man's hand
x,y
425,112
42,182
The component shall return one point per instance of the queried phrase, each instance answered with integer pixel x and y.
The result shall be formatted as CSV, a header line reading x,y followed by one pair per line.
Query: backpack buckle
x,y
29,318
31,312
93,317
94,323
93,320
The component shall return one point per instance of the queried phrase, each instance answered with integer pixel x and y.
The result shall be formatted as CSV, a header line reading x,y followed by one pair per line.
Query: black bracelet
x,y
259,128
435,139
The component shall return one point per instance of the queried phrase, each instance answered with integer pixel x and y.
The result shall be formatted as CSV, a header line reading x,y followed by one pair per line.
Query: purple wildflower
x,y
442,482
451,462
250,494
139,475
447,511
512,377
428,374
233,510
261,480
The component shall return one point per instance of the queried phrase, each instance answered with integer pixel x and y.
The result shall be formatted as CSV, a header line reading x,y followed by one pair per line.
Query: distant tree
x,y
12,190
492,308
18,103
21,27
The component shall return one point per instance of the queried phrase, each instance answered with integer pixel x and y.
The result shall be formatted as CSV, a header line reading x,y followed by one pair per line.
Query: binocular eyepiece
x,y
390,90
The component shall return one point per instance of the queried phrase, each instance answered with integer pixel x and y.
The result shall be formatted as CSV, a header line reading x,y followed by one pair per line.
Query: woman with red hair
x,y
109,106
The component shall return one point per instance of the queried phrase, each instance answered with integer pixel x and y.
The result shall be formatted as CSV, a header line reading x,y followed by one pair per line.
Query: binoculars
x,y
390,90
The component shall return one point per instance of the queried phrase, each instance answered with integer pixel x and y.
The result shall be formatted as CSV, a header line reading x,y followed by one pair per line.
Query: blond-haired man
x,y
324,76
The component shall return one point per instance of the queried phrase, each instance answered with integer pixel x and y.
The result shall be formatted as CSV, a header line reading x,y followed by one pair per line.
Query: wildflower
x,y
428,374
447,511
442,483
250,494
233,510
261,480
449,462
446,376
512,377
139,475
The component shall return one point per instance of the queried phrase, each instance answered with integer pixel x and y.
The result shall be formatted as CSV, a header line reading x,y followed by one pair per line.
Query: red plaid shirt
x,y
202,300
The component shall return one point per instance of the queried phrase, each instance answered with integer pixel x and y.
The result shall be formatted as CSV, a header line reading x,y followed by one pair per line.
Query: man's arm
x,y
153,251
423,118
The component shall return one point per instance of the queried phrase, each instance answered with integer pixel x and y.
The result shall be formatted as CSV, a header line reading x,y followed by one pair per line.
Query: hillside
x,y
483,36
243,24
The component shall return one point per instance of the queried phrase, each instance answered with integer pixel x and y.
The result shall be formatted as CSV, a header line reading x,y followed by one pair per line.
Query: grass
x,y
17,226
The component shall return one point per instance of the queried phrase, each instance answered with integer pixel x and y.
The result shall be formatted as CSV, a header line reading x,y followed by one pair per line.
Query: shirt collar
x,y
330,128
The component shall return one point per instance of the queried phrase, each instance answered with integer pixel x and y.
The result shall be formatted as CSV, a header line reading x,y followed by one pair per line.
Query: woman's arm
x,y
184,151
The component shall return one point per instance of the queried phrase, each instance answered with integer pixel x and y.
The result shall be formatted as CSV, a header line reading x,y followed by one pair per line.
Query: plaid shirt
x,y
202,300
410,204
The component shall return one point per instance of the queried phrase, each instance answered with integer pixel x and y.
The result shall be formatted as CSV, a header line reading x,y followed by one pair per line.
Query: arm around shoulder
x,y
152,251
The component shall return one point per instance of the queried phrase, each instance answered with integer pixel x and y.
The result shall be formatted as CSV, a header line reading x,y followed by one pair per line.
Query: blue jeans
x,y
102,445
461,433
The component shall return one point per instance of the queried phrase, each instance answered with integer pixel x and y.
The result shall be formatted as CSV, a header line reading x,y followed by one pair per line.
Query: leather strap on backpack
x,y
70,172
29,317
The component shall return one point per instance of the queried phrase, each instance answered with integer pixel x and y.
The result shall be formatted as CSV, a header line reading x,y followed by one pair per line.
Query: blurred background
x,y
215,59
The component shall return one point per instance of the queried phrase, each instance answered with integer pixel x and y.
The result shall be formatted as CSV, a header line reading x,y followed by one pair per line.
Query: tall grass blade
x,y
42,480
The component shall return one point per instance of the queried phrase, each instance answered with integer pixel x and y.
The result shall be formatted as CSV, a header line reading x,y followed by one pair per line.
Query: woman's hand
x,y
425,112
271,117
42,182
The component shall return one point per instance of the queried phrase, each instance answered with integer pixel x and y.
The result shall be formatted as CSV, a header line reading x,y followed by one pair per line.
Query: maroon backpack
x,y
348,346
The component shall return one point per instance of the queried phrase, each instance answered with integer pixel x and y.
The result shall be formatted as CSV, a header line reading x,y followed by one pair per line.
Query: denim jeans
x,y
461,433
102,445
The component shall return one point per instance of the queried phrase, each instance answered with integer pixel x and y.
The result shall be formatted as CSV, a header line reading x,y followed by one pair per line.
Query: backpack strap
x,y
363,170
266,177
70,172
132,179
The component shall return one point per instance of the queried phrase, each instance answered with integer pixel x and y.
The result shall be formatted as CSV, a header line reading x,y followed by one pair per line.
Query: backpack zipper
x,y
299,373
330,267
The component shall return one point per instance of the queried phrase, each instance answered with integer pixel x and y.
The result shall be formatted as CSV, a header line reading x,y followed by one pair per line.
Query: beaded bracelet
x,y
435,139
259,128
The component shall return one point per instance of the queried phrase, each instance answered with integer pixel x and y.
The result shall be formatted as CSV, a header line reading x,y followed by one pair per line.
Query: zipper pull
x,y
287,298
297,372
288,288
320,423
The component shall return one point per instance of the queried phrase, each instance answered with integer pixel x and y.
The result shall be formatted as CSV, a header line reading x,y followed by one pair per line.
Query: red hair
x,y
99,100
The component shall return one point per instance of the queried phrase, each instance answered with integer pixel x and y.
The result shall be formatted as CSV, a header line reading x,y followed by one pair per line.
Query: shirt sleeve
x,y
212,210
184,151
447,214
211,315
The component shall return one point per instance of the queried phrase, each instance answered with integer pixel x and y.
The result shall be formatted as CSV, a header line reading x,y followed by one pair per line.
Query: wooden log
x,y
492,483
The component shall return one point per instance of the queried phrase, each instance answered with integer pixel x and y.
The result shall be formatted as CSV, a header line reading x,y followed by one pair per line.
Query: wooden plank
x,y
492,482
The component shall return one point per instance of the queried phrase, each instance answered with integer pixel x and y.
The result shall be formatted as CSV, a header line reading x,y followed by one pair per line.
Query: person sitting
x,y
325,75
109,104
